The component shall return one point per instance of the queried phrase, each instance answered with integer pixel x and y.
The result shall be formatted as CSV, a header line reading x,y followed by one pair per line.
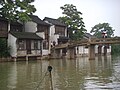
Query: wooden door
x,y
28,46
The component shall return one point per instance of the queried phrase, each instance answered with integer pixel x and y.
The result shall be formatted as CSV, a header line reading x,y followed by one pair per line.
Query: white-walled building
x,y
58,30
36,38
30,39
42,29
24,44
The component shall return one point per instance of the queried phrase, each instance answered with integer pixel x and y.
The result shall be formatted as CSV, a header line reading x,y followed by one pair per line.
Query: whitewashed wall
x,y
12,44
45,52
41,34
53,36
30,27
52,30
66,32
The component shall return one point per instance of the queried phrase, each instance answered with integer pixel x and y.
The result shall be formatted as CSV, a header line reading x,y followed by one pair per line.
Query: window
x,y
21,44
36,44
16,28
45,45
60,30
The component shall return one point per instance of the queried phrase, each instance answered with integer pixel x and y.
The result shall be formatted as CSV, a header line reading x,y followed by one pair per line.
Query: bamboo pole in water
x,y
50,75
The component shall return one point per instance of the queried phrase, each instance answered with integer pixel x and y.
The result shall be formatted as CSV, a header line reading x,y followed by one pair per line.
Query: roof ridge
x,y
54,21
26,35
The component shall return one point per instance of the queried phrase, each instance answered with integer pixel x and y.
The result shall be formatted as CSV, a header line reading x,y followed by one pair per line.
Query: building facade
x,y
27,40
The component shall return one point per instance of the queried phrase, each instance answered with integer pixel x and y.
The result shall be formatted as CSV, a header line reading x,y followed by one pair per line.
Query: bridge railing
x,y
112,39
95,41
63,45
79,41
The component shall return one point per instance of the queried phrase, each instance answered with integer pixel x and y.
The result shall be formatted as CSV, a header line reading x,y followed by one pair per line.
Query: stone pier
x,y
91,52
99,49
70,53
105,50
56,53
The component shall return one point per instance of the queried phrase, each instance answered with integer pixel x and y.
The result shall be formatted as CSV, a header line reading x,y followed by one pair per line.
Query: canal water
x,y
103,73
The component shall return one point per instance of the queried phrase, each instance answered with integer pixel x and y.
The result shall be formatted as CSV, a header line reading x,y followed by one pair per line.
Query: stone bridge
x,y
69,46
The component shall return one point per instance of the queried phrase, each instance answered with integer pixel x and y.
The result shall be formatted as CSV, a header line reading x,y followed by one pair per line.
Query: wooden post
x,y
56,53
50,69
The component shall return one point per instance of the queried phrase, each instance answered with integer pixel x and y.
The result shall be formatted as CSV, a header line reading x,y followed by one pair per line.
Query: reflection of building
x,y
12,77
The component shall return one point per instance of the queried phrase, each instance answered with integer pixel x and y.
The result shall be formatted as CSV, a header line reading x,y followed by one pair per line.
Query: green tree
x,y
115,49
97,30
4,50
14,10
72,18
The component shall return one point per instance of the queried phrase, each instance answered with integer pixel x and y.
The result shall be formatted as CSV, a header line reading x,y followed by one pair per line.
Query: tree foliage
x,y
115,49
72,18
16,9
97,30
4,50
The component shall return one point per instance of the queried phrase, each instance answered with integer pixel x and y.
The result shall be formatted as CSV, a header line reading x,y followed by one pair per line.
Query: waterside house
x,y
41,28
58,31
24,44
33,38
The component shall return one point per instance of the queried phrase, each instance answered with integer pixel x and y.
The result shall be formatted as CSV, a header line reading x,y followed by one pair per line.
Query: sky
x,y
94,11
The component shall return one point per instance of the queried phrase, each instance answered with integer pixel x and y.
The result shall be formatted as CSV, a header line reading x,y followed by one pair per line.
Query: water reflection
x,y
100,74
12,77
103,73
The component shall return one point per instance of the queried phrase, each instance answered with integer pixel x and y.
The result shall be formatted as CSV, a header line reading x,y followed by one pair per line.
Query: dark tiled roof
x,y
54,21
87,35
37,20
15,23
12,22
26,35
